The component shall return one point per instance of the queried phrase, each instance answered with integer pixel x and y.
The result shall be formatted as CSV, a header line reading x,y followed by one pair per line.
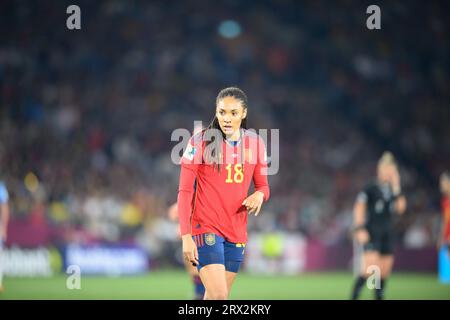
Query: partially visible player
x,y
444,235
223,160
373,223
4,218
199,288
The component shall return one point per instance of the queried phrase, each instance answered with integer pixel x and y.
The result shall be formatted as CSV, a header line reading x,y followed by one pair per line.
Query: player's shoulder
x,y
197,138
366,192
252,134
369,187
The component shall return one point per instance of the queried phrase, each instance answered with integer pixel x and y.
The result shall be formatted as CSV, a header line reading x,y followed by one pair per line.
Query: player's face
x,y
385,172
230,113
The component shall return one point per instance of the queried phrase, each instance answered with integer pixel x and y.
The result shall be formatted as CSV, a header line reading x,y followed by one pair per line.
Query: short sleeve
x,y
4,196
364,195
193,153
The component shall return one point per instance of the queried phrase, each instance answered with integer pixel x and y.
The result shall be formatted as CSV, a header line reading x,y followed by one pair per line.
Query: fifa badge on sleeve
x,y
190,152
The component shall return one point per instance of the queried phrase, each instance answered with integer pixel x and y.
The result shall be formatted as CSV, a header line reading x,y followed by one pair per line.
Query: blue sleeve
x,y
3,193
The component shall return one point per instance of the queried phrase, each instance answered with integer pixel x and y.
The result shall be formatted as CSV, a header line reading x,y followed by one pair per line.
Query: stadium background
x,y
86,118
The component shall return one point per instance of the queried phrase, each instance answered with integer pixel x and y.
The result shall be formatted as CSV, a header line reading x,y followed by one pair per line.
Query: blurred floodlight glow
x,y
229,29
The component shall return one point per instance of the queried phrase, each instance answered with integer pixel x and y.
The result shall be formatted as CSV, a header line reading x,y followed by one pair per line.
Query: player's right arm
x,y
185,195
190,162
359,218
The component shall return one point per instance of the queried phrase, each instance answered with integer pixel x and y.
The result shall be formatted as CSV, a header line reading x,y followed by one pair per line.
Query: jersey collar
x,y
237,142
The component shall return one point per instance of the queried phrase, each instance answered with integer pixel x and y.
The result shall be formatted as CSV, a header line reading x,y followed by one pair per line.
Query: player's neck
x,y
236,136
382,182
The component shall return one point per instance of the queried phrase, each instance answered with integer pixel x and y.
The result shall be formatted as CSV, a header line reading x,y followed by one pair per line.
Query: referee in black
x,y
373,224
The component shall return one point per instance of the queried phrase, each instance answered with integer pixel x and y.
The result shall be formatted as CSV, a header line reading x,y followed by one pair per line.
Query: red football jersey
x,y
446,217
216,204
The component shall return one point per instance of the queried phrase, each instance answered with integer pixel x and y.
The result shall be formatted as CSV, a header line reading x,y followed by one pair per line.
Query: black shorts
x,y
380,241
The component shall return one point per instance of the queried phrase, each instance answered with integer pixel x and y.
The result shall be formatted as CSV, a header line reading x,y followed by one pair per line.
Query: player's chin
x,y
228,131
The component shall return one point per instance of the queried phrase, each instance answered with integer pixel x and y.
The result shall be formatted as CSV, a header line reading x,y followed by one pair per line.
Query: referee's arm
x,y
400,200
400,204
359,219
359,210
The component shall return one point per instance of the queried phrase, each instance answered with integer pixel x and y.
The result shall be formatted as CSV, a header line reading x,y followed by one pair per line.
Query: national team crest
x,y
210,239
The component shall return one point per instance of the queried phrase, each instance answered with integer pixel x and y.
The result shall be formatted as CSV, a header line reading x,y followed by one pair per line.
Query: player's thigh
x,y
386,263
371,258
210,248
213,277
211,265
234,256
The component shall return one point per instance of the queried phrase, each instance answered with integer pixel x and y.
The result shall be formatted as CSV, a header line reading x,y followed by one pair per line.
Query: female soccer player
x,y
223,159
373,226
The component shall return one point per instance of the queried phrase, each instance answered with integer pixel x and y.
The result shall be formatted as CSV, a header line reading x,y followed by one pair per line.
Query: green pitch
x,y
169,285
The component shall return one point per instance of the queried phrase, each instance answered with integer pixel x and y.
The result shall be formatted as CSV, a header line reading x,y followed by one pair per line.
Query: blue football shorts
x,y
214,249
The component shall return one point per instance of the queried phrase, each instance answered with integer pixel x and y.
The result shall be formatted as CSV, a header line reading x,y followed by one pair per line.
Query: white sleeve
x,y
4,196
361,197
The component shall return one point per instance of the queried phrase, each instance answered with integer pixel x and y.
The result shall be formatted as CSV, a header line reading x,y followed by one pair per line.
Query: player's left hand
x,y
254,202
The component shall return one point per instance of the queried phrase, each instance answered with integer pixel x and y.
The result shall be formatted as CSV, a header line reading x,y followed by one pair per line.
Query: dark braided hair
x,y
213,145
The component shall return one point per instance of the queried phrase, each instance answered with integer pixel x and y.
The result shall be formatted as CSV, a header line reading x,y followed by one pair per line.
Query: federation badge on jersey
x,y
190,152
210,239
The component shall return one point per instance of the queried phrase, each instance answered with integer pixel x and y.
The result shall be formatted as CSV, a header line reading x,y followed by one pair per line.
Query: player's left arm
x,y
400,201
262,191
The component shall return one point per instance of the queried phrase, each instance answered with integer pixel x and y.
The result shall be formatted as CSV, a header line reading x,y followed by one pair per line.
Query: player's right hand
x,y
190,252
362,236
